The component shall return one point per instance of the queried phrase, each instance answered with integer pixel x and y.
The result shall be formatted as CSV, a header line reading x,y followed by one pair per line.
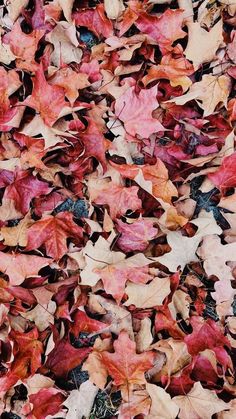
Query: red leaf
x,y
135,110
225,176
53,231
64,357
124,365
135,236
95,20
46,402
46,99
22,188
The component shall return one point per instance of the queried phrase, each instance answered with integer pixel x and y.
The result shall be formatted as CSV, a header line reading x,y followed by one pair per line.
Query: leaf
x,y
202,44
46,99
53,231
183,249
46,402
162,407
157,178
17,235
225,176
64,357
94,363
115,276
24,46
15,8
65,43
205,335
135,236
124,365
215,257
95,20
115,10
174,69
135,110
118,198
148,295
22,187
199,403
164,29
80,403
208,93
19,266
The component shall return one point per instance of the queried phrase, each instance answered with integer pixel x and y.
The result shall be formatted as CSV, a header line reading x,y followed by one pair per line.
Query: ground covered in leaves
x,y
118,209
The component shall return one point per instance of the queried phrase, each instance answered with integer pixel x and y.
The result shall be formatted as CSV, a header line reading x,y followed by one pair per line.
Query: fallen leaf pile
x,y
118,209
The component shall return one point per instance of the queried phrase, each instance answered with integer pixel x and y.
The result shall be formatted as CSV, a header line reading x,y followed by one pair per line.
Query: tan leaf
x,y
208,93
199,403
94,364
113,8
15,8
202,45
80,402
148,295
17,235
162,406
183,249
144,336
66,6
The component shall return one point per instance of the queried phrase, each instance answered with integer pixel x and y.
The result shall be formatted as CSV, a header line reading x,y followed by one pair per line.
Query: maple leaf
x,y
45,402
115,276
161,186
80,403
174,69
199,403
207,335
135,110
135,236
83,323
164,29
24,46
53,231
94,142
208,93
70,81
225,176
202,44
17,235
64,357
149,295
46,99
124,365
66,45
95,20
216,265
184,248
19,266
162,407
22,187
118,198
